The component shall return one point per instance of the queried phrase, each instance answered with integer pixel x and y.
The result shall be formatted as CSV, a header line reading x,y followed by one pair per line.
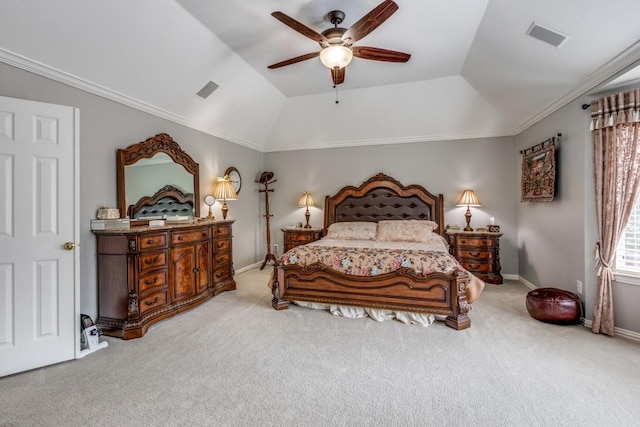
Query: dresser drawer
x,y
151,261
155,300
222,258
471,254
149,281
221,275
221,245
178,237
296,238
479,267
222,231
153,241
475,241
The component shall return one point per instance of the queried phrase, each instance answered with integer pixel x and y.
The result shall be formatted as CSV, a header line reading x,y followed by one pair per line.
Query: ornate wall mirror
x,y
157,178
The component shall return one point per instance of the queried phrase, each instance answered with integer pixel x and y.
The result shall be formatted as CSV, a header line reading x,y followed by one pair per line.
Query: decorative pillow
x,y
407,231
352,231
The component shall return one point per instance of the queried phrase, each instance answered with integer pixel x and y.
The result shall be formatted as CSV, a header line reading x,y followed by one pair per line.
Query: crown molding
x,y
386,141
625,59
33,66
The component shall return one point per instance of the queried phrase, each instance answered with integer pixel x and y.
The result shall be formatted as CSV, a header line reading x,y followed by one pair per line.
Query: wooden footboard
x,y
404,290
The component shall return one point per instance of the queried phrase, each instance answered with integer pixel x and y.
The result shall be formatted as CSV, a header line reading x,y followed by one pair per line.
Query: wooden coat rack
x,y
266,180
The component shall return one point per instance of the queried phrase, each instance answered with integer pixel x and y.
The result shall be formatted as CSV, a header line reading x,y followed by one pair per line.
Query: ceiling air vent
x,y
207,89
547,35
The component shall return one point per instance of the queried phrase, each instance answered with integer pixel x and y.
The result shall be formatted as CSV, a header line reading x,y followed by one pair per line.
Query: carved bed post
x,y
459,319
277,288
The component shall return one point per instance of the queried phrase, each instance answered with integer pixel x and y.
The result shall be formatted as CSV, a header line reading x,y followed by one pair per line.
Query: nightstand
x,y
478,252
299,236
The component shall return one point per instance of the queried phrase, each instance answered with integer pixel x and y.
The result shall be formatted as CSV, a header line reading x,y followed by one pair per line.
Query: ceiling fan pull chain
x,y
336,88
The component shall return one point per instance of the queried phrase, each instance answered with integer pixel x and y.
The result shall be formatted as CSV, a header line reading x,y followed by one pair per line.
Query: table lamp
x,y
224,191
467,199
305,201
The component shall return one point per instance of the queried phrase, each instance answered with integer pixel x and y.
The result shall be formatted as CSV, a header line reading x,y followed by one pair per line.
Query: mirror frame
x,y
147,149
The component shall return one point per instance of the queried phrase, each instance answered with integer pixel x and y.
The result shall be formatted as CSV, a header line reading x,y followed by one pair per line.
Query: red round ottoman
x,y
552,305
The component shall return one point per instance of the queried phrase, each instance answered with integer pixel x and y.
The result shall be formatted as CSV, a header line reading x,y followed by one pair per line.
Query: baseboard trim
x,y
619,332
624,333
511,277
248,267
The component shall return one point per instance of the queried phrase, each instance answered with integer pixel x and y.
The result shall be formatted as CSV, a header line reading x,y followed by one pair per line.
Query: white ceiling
x,y
473,70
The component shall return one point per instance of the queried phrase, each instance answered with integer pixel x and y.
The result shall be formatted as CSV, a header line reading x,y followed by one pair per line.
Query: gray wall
x,y
548,244
556,240
106,126
447,167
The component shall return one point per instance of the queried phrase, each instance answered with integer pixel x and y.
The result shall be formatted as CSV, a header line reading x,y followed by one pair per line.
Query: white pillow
x,y
352,231
407,231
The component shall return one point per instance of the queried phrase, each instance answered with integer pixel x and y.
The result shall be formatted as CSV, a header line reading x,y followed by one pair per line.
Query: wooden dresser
x,y
478,252
147,274
299,236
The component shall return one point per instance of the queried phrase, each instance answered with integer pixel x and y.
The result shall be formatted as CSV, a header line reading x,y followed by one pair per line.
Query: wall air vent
x,y
546,35
207,90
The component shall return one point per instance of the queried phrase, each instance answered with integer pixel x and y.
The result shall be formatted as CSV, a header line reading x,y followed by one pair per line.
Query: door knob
x,y
69,246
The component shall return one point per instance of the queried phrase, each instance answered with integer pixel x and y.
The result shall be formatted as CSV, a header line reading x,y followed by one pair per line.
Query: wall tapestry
x,y
539,172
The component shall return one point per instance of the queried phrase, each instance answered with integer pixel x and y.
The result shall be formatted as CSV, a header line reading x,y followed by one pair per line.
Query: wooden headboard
x,y
168,201
382,197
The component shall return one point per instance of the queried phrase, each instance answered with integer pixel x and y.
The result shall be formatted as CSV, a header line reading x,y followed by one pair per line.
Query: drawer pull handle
x,y
204,234
151,261
150,242
220,274
220,244
151,282
155,300
196,270
180,238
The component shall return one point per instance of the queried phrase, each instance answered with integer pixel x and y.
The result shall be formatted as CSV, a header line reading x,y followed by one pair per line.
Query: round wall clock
x,y
235,178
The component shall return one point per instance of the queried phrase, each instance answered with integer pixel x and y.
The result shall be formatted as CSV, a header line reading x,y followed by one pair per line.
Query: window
x,y
628,252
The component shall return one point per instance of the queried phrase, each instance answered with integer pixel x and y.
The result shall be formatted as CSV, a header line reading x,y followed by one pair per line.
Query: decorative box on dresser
x,y
478,252
300,236
146,274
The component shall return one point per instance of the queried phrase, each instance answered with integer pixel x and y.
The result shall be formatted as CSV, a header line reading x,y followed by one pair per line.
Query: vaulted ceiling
x,y
473,72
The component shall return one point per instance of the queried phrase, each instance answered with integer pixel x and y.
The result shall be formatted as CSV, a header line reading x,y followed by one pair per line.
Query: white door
x,y
39,299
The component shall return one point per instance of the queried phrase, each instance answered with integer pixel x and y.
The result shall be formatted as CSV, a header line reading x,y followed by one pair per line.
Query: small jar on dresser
x,y
300,236
478,252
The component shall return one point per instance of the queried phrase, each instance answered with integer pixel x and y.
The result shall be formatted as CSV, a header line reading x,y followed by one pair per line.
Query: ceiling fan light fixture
x,y
336,57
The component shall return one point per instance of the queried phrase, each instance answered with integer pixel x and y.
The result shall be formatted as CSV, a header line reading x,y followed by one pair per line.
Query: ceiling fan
x,y
337,43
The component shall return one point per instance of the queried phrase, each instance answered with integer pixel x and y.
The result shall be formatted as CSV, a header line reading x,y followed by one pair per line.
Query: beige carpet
x,y
237,362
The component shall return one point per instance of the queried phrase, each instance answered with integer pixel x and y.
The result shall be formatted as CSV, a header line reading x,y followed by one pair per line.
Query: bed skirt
x,y
380,315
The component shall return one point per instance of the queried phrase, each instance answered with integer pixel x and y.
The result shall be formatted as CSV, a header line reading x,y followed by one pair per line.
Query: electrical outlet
x,y
579,285
275,248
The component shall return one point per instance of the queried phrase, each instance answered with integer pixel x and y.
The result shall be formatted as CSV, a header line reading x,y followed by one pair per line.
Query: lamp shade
x,y
336,57
468,198
224,190
306,200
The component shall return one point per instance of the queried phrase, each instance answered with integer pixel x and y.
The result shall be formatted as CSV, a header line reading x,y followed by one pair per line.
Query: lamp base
x,y
225,209
307,215
468,218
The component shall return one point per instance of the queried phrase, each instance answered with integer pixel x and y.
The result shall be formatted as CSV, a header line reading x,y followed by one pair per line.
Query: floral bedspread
x,y
372,261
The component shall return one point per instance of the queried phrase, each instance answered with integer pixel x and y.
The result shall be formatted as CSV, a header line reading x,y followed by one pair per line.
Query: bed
x,y
166,202
445,293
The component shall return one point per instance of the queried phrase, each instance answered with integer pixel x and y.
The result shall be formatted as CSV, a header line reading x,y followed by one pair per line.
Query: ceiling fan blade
x,y
294,60
299,27
377,54
370,21
338,76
